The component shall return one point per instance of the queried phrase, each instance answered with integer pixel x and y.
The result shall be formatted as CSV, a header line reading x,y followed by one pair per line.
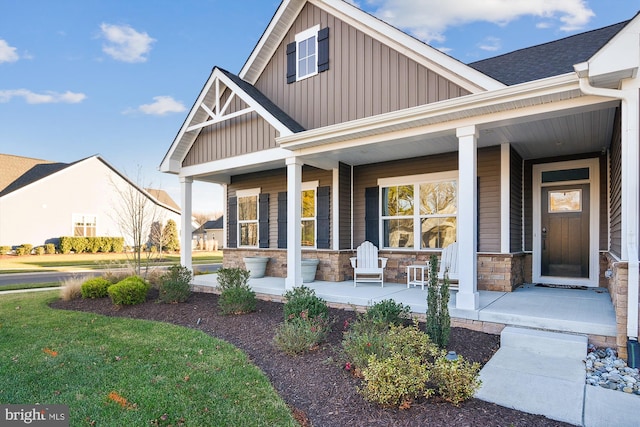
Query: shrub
x,y
388,311
303,299
302,334
456,380
364,338
402,376
117,244
24,249
49,249
236,296
175,284
65,245
95,288
39,250
130,291
93,244
71,288
4,250
438,320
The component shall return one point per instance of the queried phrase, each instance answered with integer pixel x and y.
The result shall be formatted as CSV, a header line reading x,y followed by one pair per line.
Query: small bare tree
x,y
136,213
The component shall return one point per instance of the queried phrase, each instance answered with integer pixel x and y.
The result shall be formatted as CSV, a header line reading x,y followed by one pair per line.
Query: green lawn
x,y
115,371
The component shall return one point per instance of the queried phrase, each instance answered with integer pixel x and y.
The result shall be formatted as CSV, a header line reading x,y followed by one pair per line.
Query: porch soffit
x,y
445,65
550,111
213,106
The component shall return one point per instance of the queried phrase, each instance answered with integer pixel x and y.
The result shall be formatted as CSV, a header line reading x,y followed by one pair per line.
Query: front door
x,y
565,222
565,231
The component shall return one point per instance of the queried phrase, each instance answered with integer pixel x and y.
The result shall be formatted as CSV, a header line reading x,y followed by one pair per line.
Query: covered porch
x,y
585,311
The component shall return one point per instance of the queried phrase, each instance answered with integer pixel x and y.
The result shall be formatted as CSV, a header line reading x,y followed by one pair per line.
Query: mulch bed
x,y
315,385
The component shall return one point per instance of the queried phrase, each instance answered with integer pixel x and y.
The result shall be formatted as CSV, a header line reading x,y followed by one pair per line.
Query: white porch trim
x,y
294,203
468,297
186,199
335,209
505,198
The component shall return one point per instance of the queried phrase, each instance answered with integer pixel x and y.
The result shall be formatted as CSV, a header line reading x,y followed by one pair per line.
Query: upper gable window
x,y
308,55
307,48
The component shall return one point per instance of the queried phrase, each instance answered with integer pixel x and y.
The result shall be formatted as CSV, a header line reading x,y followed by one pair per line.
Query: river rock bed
x,y
606,370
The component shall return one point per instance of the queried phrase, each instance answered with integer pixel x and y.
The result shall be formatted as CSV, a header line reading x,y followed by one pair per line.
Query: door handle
x,y
544,238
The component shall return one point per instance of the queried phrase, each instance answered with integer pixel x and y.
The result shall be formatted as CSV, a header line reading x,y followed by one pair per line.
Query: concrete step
x,y
553,344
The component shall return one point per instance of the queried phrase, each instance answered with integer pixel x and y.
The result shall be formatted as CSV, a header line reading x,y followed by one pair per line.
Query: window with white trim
x,y
84,225
307,53
419,211
308,214
248,217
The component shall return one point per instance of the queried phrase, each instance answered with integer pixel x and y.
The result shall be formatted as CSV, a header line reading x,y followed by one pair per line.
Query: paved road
x,y
56,276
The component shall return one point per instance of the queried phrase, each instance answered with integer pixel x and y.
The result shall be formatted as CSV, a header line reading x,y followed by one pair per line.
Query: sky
x,y
118,77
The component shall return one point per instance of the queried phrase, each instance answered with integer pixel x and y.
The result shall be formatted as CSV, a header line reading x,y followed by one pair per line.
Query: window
x,y
308,214
308,55
248,217
84,225
419,211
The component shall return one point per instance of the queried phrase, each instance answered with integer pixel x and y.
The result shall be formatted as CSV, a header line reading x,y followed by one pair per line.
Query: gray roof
x,y
548,59
266,103
35,173
216,224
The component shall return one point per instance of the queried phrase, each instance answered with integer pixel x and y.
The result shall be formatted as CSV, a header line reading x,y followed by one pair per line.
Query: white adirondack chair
x,y
367,265
449,265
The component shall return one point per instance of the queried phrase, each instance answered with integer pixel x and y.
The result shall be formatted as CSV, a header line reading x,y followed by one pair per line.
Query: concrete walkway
x,y
543,372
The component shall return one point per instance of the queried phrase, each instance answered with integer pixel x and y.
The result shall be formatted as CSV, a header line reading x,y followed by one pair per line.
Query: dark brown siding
x,y
272,182
515,210
345,206
489,199
365,77
615,200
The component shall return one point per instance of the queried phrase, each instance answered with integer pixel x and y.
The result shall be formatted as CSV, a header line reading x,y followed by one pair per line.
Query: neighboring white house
x,y
40,201
210,235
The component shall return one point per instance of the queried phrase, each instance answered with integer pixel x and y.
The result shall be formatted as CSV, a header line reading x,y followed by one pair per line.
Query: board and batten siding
x,y
365,77
489,189
615,196
239,135
272,182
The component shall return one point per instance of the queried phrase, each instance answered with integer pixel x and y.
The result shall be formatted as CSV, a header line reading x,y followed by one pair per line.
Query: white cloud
x,y
429,19
123,43
7,53
490,44
48,97
160,106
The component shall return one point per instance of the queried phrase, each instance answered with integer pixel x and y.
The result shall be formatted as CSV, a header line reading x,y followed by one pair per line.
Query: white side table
x,y
415,275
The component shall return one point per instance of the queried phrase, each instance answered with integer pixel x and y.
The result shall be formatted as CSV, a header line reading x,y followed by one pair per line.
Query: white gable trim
x,y
202,115
450,68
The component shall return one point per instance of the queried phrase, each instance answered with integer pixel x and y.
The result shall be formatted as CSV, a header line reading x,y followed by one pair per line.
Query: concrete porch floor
x,y
580,311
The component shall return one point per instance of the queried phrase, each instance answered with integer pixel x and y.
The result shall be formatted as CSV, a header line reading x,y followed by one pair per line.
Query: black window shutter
x,y
323,49
233,222
291,62
323,216
282,220
263,220
371,206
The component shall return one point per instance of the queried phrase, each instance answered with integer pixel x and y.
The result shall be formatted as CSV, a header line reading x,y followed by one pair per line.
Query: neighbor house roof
x,y
163,197
215,224
548,59
12,167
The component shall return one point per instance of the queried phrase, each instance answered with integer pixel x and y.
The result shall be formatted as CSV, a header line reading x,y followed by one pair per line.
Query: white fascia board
x,y
621,53
444,110
277,124
167,165
237,162
441,63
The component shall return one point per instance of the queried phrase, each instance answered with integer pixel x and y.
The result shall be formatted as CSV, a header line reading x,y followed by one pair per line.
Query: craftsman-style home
x,y
341,129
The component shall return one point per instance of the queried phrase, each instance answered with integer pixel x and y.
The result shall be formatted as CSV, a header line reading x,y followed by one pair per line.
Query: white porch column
x,y
335,210
294,205
186,199
467,297
225,215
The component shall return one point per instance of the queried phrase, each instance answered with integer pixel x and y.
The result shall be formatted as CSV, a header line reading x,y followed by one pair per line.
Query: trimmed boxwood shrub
x,y
39,250
95,288
24,249
130,291
49,248
4,249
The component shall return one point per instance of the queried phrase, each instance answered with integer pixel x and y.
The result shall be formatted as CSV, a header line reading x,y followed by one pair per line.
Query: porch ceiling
x,y
582,130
